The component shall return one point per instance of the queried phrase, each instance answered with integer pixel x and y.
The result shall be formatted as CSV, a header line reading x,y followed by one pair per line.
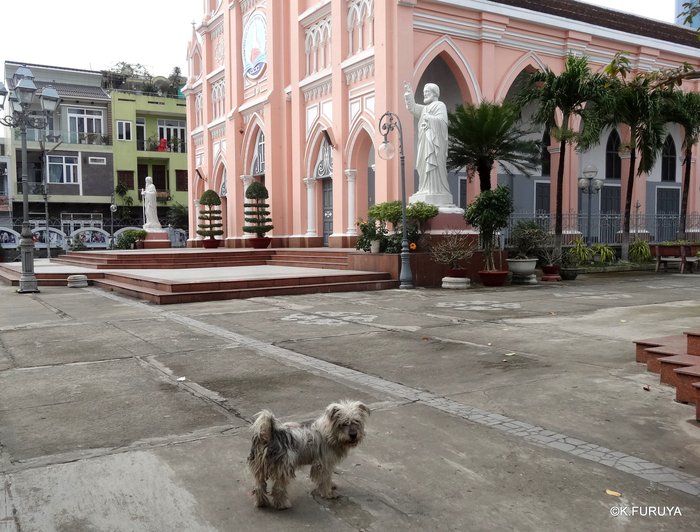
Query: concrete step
x,y
641,346
655,354
667,375
693,342
685,378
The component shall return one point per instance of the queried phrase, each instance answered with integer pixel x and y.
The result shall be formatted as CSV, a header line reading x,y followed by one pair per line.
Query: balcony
x,y
67,137
162,145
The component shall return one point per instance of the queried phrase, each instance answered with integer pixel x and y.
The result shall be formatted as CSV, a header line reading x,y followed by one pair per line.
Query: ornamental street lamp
x,y
590,186
112,210
387,123
21,117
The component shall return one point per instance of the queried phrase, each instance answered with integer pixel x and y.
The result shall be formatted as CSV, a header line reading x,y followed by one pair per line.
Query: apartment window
x,y
668,160
102,161
84,125
63,169
126,177
175,132
123,130
181,181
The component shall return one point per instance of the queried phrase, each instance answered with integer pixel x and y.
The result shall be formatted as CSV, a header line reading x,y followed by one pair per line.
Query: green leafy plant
x,y
256,213
210,224
640,251
129,238
370,230
177,216
605,253
490,212
527,238
579,253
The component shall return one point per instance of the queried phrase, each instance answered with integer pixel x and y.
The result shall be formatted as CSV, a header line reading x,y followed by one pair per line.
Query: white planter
x,y
523,270
375,245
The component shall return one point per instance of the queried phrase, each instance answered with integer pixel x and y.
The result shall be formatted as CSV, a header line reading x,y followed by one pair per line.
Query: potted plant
x,y
131,239
372,235
602,253
573,258
527,237
490,212
451,249
551,259
210,225
257,215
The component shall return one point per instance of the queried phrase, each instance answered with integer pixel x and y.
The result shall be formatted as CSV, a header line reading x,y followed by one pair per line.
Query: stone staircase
x,y
677,361
166,290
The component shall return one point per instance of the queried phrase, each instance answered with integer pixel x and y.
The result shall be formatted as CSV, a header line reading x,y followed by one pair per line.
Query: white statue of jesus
x,y
431,153
149,206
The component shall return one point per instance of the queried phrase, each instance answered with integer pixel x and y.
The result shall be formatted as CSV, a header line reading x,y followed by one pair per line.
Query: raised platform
x,y
165,276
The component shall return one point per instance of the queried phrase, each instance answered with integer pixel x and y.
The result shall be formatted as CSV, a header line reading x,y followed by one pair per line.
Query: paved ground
x,y
492,409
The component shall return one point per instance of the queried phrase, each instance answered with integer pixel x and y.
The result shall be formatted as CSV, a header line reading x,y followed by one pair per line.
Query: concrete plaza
x,y
492,409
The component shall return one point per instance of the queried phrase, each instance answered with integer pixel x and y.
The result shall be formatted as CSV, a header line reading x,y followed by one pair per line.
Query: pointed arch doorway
x,y
323,172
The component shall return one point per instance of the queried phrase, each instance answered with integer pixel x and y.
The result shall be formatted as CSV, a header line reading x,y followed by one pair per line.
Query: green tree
x,y
174,82
480,135
565,94
635,100
684,108
210,224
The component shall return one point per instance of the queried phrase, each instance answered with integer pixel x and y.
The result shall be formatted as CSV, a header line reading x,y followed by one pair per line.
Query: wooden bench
x,y
674,254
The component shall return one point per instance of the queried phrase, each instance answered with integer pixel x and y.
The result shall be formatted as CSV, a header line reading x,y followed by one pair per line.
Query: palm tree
x,y
480,135
567,93
684,108
638,103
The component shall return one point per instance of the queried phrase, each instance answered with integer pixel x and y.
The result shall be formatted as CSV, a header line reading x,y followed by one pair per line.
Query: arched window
x,y
546,157
259,157
613,163
668,160
324,164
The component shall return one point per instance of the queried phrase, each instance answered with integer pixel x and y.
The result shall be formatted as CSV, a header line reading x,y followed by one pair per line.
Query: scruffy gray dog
x,y
279,449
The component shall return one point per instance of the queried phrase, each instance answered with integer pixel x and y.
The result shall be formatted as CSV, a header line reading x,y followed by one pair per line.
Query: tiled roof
x,y
68,90
611,19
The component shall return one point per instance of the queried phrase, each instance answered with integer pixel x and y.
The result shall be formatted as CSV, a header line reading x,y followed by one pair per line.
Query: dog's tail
x,y
263,426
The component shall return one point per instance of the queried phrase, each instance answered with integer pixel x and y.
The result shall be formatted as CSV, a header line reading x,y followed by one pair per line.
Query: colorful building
x,y
290,93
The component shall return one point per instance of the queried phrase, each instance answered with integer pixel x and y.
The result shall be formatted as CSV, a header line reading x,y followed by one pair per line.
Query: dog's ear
x,y
332,410
364,408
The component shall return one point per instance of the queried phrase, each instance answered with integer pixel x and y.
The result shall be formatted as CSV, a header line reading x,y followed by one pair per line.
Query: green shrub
x,y
579,253
605,253
640,251
256,213
129,237
527,238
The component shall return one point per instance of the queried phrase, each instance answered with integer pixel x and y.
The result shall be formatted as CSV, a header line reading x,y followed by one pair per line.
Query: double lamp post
x,y
22,117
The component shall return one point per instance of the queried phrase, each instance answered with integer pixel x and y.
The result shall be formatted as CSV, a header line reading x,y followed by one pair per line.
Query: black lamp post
x,y
21,98
387,123
112,210
590,186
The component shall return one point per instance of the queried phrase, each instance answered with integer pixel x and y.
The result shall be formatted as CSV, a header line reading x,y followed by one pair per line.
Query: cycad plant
x,y
480,135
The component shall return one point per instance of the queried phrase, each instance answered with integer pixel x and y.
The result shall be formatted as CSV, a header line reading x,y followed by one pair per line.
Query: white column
x,y
350,175
310,206
247,180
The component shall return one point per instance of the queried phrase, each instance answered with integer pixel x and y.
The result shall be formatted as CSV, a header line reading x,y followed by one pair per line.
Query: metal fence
x,y
607,228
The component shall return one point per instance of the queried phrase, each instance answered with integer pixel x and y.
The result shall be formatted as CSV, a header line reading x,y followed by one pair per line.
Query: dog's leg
x,y
280,500
260,492
321,476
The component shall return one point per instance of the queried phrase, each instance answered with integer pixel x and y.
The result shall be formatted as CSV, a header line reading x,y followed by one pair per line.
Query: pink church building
x,y
290,92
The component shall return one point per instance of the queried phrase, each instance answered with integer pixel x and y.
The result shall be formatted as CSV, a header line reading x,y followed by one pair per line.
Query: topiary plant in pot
x,y
527,238
490,212
210,225
257,215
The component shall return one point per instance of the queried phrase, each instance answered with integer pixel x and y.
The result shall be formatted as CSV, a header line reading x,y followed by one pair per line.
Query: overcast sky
x,y
96,34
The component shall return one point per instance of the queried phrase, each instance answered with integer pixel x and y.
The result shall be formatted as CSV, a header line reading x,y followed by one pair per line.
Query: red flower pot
x,y
260,242
493,278
210,243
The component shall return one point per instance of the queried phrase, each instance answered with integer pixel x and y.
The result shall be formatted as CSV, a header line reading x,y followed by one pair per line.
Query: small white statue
x,y
431,153
149,206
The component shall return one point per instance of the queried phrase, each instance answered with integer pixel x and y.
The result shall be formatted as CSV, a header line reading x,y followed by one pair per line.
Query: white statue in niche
x,y
431,149
149,206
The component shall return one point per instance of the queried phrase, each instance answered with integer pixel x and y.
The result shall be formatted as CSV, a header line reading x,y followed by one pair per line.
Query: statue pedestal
x,y
446,221
156,240
439,200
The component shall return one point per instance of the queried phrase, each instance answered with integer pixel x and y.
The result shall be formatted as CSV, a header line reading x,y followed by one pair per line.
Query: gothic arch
x,y
528,61
250,137
462,71
313,143
361,124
